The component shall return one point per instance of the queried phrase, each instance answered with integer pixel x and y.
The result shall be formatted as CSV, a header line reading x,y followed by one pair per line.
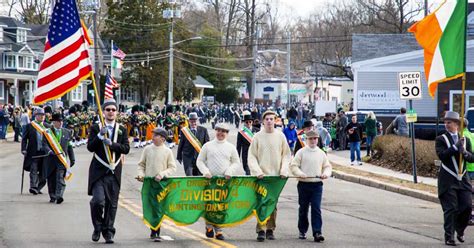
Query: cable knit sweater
x,y
156,160
311,162
269,154
218,158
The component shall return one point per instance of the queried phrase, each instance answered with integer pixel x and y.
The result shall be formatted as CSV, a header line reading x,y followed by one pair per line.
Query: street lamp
x,y
170,75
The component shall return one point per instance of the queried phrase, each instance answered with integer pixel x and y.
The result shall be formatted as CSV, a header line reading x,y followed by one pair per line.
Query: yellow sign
x,y
411,117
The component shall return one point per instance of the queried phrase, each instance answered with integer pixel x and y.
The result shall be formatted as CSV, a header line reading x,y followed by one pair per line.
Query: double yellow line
x,y
180,230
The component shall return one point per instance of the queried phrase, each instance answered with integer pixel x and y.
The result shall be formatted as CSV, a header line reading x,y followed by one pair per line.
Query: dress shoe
x,y
34,191
302,236
95,236
460,238
210,232
318,237
109,240
270,235
261,236
220,236
59,200
52,200
450,242
157,239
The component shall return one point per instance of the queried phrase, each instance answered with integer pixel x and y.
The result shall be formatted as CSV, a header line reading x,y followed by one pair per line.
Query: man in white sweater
x,y
157,161
218,158
269,155
312,166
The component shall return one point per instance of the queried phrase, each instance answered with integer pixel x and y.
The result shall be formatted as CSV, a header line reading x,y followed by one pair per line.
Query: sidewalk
x,y
376,174
343,158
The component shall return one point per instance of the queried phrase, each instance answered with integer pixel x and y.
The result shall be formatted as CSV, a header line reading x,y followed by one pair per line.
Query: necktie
x,y
194,131
455,138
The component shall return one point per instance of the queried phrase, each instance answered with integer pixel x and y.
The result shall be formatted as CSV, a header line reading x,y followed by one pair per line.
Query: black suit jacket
x,y
29,143
95,145
185,149
243,144
51,162
446,181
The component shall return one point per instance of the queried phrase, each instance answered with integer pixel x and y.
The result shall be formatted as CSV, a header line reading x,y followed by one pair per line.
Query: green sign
x,y
411,116
219,201
295,91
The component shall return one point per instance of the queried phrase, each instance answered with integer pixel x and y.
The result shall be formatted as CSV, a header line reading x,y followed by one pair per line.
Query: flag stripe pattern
x,y
442,35
118,53
66,58
110,84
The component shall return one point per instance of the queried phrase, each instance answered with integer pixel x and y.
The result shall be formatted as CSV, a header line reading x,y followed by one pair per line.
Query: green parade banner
x,y
219,201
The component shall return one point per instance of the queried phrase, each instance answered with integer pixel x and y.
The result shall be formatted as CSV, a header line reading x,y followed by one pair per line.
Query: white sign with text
x,y
410,85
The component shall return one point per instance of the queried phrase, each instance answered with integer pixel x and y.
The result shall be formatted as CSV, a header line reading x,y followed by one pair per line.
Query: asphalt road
x,y
353,215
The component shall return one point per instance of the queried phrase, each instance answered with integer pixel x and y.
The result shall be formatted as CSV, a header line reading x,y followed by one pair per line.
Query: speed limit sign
x,y
410,85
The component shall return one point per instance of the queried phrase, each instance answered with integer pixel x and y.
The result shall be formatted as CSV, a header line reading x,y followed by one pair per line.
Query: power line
x,y
147,59
214,58
137,24
211,67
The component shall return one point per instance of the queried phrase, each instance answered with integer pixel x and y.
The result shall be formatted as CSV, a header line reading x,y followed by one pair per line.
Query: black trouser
x,y
456,204
37,181
17,134
245,163
56,183
190,168
105,194
310,193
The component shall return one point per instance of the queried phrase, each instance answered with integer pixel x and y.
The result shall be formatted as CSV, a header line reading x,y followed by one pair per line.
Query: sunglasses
x,y
110,110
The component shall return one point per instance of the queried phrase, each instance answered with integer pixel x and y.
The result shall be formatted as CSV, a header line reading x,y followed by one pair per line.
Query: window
x,y
10,61
128,95
21,36
266,96
25,62
1,34
76,94
2,90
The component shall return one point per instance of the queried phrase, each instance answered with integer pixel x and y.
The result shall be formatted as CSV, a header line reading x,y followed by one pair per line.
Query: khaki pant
x,y
271,223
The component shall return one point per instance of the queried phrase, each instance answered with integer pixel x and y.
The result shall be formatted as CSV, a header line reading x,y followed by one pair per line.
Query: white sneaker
x,y
135,144
352,163
360,162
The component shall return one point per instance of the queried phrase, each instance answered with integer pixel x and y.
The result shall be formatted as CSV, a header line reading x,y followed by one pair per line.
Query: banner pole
x,y
461,131
101,116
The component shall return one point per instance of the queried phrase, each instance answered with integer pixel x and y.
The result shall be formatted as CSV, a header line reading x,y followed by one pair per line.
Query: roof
x,y
39,29
371,46
12,22
201,82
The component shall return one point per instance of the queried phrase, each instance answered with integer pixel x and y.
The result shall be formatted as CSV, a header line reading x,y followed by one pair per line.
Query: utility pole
x,y
170,71
288,69
254,70
426,7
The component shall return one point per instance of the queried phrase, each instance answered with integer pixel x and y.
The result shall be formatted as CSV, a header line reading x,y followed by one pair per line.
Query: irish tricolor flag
x,y
442,34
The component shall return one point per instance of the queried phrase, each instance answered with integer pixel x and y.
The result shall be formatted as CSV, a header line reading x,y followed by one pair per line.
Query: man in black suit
x,y
54,170
244,139
187,153
32,149
105,171
454,187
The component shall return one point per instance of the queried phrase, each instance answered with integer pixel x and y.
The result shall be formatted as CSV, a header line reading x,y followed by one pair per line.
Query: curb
x,y
385,186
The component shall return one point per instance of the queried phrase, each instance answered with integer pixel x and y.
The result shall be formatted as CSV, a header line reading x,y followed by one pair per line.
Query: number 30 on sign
x,y
410,85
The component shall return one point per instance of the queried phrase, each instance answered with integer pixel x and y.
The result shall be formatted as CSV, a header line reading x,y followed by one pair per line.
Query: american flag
x,y
116,52
110,84
66,58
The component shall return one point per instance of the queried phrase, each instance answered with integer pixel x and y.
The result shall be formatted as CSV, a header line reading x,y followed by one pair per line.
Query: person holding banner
x,y
105,171
269,155
32,149
218,158
58,146
244,139
190,143
312,166
454,187
301,142
157,161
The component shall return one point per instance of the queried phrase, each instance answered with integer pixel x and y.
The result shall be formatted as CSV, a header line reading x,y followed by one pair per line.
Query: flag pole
x,y
460,165
101,116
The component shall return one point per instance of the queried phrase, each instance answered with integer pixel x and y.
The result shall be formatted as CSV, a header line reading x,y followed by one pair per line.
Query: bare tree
x,y
34,11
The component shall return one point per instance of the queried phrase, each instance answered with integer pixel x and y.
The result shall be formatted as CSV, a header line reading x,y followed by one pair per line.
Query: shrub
x,y
394,152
